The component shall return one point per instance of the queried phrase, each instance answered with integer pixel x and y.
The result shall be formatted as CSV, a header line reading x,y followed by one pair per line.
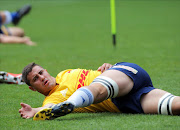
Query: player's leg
x,y
160,102
111,83
16,31
21,13
14,17
7,16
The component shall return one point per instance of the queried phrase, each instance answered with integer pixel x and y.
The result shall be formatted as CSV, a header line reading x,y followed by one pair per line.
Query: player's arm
x,y
27,111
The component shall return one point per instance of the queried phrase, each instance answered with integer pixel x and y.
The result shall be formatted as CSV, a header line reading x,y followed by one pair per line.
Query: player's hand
x,y
26,111
104,67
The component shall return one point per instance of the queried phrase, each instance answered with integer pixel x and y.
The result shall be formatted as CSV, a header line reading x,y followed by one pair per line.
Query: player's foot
x,y
11,78
55,111
20,13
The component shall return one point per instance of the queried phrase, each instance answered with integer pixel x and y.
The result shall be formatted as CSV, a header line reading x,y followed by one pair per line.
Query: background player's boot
x,y
55,111
11,78
20,13
2,76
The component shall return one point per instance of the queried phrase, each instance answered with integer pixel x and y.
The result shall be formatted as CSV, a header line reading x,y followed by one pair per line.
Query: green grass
x,y
76,34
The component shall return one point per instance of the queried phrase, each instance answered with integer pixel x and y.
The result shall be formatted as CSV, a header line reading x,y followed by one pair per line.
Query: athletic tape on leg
x,y
165,104
109,84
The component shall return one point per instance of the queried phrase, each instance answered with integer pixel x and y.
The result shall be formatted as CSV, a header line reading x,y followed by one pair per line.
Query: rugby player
x,y
122,87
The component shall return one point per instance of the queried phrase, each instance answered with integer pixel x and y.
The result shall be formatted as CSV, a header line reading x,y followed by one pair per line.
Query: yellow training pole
x,y
113,21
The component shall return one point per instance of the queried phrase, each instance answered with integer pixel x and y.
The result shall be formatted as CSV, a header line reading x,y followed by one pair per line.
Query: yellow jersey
x,y
68,81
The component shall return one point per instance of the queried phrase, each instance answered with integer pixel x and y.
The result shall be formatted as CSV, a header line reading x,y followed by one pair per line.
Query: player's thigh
x,y
123,81
149,101
15,31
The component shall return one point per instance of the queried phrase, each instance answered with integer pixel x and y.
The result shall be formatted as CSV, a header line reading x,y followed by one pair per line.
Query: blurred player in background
x,y
14,35
123,87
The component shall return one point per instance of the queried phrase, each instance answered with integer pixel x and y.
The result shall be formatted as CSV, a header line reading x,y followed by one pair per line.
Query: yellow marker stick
x,y
113,21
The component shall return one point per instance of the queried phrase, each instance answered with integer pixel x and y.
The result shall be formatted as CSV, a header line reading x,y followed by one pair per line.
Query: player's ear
x,y
32,88
45,69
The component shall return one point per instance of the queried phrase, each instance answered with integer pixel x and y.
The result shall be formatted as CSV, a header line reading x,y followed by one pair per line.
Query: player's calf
x,y
168,105
176,106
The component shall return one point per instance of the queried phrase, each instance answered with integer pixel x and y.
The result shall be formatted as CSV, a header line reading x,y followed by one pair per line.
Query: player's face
x,y
41,80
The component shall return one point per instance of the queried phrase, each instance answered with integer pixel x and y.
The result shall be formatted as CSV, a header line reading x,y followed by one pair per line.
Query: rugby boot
x,y
11,78
20,13
55,111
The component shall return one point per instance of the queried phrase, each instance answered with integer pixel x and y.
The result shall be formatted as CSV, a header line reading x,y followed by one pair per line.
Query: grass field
x,y
77,34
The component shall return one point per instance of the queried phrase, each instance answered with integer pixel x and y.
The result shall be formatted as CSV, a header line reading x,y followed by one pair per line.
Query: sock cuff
x,y
88,93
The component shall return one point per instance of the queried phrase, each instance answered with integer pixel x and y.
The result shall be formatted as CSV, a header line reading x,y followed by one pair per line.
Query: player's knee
x,y
15,31
110,85
167,105
20,32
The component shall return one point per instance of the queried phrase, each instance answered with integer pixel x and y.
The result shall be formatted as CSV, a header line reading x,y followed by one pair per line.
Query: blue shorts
x,y
130,103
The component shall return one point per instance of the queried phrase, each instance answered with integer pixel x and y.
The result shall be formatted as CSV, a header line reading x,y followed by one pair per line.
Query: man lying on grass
x,y
123,87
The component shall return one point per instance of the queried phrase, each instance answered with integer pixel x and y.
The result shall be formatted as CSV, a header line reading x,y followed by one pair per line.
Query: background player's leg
x,y
16,31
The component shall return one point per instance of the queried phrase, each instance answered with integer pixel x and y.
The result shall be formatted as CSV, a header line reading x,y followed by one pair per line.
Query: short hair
x,y
27,69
